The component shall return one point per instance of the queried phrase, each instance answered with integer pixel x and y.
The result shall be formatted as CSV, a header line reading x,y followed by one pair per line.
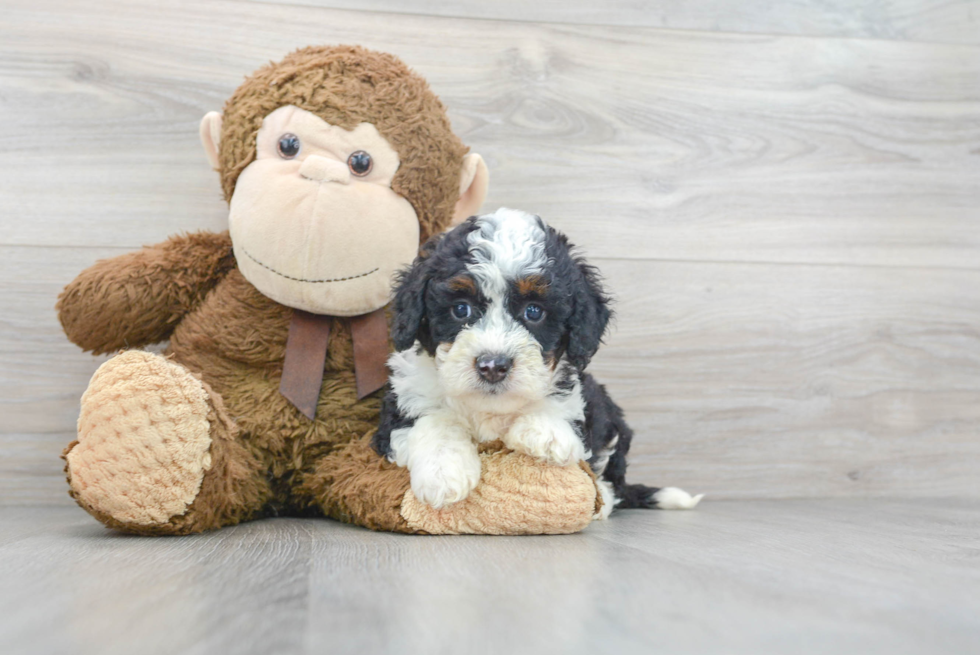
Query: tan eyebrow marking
x,y
532,284
463,283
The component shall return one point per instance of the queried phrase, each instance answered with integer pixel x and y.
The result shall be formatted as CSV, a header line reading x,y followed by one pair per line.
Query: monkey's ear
x,y
474,179
211,136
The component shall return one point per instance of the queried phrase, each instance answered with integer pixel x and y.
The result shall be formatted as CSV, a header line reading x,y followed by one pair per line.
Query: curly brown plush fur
x,y
139,298
347,85
261,455
233,338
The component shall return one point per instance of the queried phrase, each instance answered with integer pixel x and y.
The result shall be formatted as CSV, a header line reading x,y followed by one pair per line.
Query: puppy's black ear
x,y
410,322
590,314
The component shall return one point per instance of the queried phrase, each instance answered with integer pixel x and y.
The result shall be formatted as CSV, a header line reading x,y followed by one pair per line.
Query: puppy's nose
x,y
493,368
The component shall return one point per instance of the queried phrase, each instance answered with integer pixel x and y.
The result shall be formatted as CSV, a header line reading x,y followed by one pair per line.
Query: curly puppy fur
x,y
495,323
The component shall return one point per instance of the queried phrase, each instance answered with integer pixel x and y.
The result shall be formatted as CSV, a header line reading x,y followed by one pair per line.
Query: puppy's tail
x,y
642,496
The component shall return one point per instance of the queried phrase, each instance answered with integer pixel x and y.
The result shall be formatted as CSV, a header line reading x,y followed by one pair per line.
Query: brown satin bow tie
x,y
306,352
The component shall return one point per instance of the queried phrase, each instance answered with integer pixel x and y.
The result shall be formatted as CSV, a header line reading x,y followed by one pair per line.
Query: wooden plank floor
x,y
943,21
784,198
816,576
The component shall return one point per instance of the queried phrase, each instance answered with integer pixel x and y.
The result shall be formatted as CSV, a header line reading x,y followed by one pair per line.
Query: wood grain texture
x,y
817,576
642,143
790,224
31,471
740,380
939,21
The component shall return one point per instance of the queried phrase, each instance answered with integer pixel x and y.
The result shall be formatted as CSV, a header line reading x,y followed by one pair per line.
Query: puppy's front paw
x,y
551,440
445,476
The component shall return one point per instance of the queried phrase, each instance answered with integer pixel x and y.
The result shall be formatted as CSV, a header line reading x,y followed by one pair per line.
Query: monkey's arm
x,y
137,298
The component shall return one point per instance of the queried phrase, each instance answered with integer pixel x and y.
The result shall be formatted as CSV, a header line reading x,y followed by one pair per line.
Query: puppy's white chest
x,y
490,427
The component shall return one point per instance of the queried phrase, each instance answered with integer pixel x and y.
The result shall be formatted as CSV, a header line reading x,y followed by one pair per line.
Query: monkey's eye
x,y
288,146
533,313
462,310
360,163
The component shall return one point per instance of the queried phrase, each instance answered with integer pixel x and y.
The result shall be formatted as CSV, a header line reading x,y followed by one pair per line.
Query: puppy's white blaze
x,y
528,380
506,245
674,498
608,499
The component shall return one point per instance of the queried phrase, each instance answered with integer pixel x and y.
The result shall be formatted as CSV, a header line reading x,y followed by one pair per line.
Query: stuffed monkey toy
x,y
337,162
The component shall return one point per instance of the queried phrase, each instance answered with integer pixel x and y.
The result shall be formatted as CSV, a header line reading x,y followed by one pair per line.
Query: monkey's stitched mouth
x,y
299,279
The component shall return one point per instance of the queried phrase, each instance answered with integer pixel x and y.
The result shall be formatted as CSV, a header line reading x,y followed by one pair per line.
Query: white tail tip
x,y
674,498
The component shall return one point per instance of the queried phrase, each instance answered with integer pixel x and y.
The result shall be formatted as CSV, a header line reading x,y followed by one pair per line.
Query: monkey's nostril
x,y
493,368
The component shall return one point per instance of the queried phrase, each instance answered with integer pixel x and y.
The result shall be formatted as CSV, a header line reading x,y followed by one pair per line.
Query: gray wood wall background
x,y
784,197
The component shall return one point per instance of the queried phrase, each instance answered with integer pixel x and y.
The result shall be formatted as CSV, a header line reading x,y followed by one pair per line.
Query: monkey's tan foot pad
x,y
517,494
143,440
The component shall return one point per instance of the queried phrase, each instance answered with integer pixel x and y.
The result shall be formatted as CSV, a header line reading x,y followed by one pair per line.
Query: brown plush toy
x,y
337,162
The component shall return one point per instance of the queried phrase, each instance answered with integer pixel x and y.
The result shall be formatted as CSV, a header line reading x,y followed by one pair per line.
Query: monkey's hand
x,y
136,299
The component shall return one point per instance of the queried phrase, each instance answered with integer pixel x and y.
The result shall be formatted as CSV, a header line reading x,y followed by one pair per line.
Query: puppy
x,y
494,325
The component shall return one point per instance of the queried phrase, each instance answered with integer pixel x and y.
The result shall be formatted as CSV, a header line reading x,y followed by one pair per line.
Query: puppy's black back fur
x,y
604,424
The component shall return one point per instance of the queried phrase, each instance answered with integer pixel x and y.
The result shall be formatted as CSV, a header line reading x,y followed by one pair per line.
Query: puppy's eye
x,y
533,313
462,310
288,146
360,163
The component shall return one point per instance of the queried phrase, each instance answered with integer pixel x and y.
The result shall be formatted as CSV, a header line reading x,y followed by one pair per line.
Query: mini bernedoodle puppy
x,y
494,325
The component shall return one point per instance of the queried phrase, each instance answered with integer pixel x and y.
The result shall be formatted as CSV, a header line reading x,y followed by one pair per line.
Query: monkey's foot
x,y
143,441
